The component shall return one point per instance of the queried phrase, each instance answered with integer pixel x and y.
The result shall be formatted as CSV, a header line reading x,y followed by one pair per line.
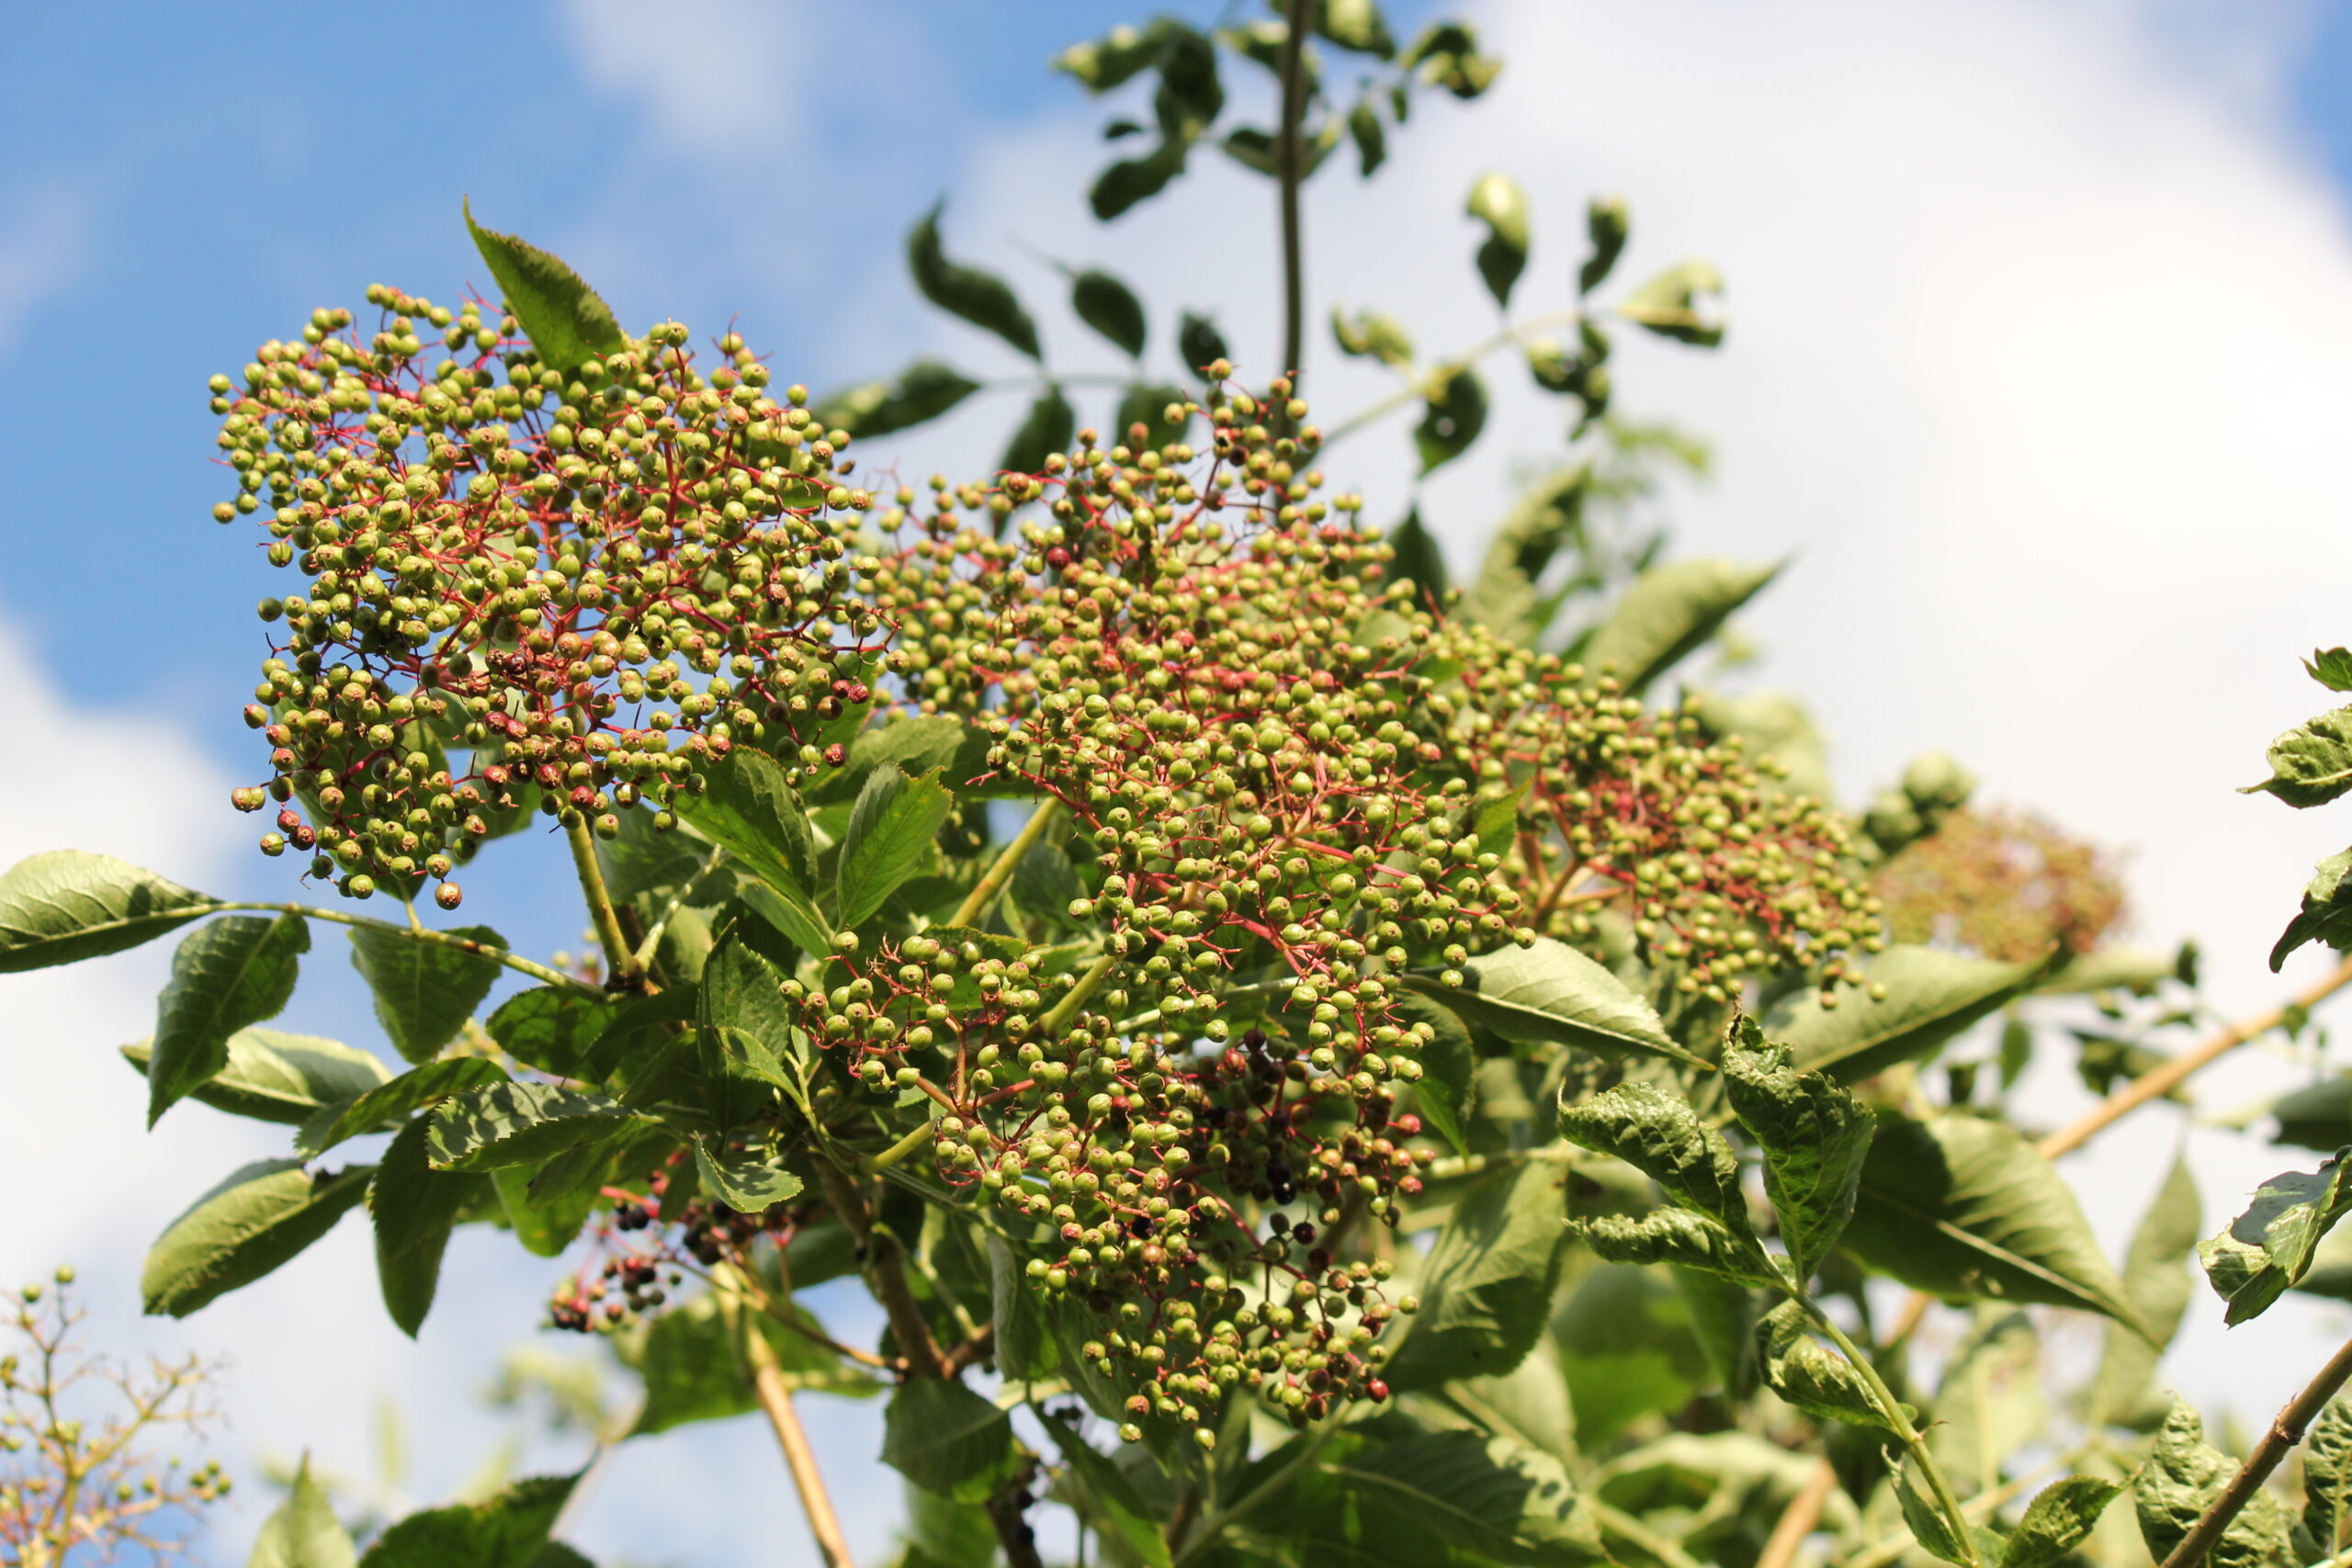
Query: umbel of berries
x,y
1288,788
561,574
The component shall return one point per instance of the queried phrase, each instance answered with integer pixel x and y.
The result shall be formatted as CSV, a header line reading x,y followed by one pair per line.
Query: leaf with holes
x,y
2269,1246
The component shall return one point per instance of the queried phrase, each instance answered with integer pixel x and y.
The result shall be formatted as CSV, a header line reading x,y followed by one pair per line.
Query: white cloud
x,y
44,232
717,76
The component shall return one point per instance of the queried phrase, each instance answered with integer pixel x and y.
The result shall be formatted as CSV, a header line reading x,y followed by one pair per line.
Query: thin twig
x,y
2151,1086
776,1399
2163,1080
2285,1432
514,961
645,950
1289,163
886,1270
976,903
1798,1519
1891,1411
1613,1521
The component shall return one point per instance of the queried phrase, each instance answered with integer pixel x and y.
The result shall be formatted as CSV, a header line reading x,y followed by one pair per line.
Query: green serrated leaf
x,y
567,323
66,904
1110,307
1419,559
1931,996
2331,667
2059,1519
747,1181
226,977
259,1218
1607,226
2311,763
423,992
1486,1287
1049,426
1370,134
1549,994
2327,1477
1023,1350
1453,412
1812,1376
891,826
1657,1133
2181,1479
1111,1503
1674,304
980,298
1133,180
414,1207
945,1438
1148,404
923,391
276,1077
2156,1282
1815,1136
1960,1206
1496,201
509,1531
391,1102
749,810
1989,1402
1929,1526
2326,914
515,1123
2269,1246
1357,25
1670,613
552,1028
1679,1237
1199,344
303,1532
1450,1498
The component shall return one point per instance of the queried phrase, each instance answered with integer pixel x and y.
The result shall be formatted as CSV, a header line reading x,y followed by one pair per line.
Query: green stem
x,y
619,960
977,904
899,1150
1054,1023
1204,1535
1947,1503
1632,1531
1418,388
646,948
440,939
1287,159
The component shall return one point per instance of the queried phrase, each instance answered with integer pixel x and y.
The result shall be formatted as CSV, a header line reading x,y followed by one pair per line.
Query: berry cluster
x,y
2008,885
592,582
635,1278
1295,783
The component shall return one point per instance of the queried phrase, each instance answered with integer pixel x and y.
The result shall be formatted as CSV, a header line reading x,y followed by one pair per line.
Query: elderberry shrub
x,y
1287,771
592,583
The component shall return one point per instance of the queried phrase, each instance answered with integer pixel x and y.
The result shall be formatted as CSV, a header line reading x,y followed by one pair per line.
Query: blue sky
x,y
2042,316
